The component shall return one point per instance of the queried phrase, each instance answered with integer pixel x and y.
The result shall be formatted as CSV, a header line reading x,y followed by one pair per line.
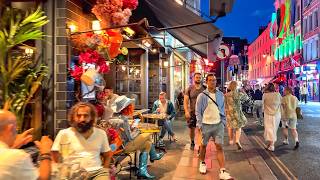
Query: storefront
x,y
310,75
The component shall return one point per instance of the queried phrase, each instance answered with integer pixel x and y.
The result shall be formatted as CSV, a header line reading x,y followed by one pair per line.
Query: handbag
x,y
299,113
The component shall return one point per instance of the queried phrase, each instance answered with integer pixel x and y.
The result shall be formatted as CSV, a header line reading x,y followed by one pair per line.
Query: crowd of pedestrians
x,y
208,111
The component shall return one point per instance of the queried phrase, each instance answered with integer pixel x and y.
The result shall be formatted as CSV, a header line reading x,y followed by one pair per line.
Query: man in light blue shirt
x,y
211,121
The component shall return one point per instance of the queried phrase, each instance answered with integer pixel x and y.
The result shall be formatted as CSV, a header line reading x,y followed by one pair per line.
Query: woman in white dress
x,y
271,105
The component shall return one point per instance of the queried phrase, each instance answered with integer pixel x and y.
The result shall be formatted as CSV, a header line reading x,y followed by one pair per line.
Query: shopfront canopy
x,y
169,13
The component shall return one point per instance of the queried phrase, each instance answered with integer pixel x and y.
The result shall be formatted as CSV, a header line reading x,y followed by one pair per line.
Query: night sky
x,y
245,18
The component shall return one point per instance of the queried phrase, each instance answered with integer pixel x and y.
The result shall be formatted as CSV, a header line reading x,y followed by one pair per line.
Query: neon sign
x,y
288,47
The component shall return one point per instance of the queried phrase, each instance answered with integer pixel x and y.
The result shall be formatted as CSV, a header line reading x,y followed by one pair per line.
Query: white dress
x,y
272,115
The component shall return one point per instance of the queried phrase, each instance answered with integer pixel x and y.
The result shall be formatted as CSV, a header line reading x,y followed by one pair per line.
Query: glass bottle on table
x,y
65,149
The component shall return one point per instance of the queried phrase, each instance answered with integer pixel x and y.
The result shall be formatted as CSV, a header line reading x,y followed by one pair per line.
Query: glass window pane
x,y
135,86
122,72
135,72
122,86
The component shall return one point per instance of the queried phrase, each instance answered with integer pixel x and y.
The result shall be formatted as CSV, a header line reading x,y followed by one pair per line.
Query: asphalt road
x,y
285,162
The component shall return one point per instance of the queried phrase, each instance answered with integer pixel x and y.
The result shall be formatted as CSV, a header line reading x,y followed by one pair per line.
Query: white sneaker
x,y
285,142
224,174
203,167
231,142
271,148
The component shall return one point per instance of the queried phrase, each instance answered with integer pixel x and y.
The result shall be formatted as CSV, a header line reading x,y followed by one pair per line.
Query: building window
x,y
305,25
305,51
310,23
316,19
305,3
314,49
298,13
128,78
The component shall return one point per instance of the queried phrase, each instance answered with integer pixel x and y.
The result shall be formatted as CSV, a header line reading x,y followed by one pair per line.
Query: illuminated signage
x,y
288,47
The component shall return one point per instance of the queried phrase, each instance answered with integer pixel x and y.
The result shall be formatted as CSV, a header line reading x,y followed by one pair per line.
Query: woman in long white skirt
x,y
271,104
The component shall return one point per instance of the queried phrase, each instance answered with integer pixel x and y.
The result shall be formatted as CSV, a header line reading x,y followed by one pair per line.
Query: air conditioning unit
x,y
220,7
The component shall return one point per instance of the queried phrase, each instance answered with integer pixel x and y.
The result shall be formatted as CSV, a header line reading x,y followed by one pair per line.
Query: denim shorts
x,y
216,131
290,123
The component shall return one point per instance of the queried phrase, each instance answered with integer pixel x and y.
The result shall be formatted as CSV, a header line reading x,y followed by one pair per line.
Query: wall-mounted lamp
x,y
180,2
96,27
28,51
130,32
264,56
165,63
146,43
72,27
154,50
123,68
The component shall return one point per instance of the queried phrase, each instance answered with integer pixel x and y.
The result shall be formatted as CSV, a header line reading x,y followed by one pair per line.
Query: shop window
x,y
128,78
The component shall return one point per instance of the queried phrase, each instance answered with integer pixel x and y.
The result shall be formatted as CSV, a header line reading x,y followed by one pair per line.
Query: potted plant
x,y
20,76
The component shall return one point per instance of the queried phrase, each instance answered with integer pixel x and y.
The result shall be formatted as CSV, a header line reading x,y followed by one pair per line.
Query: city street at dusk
x,y
159,89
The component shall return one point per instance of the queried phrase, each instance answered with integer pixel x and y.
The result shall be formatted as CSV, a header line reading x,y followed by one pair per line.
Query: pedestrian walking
x,y
235,117
289,116
271,105
211,121
297,91
189,104
304,93
257,105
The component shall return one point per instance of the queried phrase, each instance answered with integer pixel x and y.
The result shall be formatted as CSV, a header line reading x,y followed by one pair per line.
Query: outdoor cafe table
x,y
156,118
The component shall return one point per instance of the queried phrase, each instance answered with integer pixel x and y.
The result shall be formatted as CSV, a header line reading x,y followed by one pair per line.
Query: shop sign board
x,y
224,52
297,70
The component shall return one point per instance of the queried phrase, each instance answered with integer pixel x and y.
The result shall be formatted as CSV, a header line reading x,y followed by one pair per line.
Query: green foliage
x,y
20,77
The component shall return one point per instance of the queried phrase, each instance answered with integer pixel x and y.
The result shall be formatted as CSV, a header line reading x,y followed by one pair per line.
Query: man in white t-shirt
x,y
84,142
15,163
211,121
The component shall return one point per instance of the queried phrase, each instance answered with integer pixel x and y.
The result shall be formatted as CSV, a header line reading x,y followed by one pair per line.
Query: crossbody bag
x,y
211,99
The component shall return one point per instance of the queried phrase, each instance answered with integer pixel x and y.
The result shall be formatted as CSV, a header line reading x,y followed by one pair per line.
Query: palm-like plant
x,y
20,77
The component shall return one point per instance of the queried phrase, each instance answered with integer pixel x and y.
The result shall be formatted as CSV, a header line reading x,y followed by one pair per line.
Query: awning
x,y
169,13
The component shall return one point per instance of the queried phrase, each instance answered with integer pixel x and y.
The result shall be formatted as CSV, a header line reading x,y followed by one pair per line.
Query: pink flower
x,y
131,4
121,17
76,73
104,8
104,68
89,56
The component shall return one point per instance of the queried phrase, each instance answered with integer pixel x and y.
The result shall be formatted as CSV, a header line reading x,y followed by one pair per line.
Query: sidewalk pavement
x,y
244,164
182,163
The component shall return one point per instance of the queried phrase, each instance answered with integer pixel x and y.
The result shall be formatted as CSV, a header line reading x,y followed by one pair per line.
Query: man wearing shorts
x,y
211,121
190,98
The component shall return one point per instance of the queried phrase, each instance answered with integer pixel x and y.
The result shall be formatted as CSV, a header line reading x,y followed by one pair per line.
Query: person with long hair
x,y
235,117
271,105
86,143
289,118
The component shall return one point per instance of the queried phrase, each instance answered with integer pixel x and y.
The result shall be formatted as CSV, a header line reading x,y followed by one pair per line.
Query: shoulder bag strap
x,y
211,99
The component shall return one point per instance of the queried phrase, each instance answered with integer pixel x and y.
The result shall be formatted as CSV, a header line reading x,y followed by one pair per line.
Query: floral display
x,y
77,72
131,4
114,12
